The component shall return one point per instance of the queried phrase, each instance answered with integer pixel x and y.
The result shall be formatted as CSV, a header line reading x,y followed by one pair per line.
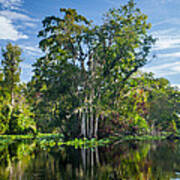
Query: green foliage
x,y
15,113
87,82
162,105
11,71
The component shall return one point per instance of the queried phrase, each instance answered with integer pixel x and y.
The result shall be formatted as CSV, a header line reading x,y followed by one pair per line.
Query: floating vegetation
x,y
77,143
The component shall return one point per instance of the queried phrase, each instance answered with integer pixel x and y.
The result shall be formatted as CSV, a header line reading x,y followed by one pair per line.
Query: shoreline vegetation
x,y
56,140
87,84
60,137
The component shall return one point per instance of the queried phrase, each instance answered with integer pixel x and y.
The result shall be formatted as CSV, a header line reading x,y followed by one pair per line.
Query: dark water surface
x,y
157,160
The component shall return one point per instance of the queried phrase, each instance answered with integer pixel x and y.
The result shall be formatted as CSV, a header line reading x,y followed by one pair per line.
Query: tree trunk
x,y
92,163
97,156
96,126
91,122
87,123
92,78
83,154
83,123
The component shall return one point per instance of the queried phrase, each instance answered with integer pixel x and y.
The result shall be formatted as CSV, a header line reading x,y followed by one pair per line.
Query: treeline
x,y
88,83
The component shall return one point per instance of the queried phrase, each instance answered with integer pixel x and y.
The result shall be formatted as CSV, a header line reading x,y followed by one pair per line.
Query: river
x,y
152,160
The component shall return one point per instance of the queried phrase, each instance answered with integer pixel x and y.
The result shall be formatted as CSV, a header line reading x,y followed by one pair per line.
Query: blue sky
x,y
20,21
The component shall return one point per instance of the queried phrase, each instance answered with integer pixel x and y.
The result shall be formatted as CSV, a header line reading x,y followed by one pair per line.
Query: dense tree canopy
x,y
87,82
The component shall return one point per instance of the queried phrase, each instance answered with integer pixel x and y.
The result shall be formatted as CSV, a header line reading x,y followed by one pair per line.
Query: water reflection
x,y
134,161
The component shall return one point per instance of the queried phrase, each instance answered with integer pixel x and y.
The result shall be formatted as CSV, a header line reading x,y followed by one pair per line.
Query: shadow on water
x,y
159,160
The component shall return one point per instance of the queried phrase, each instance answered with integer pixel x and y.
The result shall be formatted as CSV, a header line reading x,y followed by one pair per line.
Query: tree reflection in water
x,y
137,160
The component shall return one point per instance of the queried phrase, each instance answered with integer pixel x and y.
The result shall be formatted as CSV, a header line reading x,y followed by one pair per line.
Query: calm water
x,y
144,161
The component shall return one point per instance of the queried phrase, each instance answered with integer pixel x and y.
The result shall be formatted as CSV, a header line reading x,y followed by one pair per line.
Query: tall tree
x,y
11,69
16,115
103,58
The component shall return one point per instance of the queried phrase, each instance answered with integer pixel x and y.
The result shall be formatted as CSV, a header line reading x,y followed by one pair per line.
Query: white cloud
x,y
13,22
176,85
11,4
8,31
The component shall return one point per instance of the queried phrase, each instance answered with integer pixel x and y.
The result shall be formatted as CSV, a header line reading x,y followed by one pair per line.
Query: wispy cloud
x,y
29,24
167,39
174,21
170,55
31,50
167,50
167,42
26,66
11,4
112,2
167,69
163,32
176,68
12,15
26,72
